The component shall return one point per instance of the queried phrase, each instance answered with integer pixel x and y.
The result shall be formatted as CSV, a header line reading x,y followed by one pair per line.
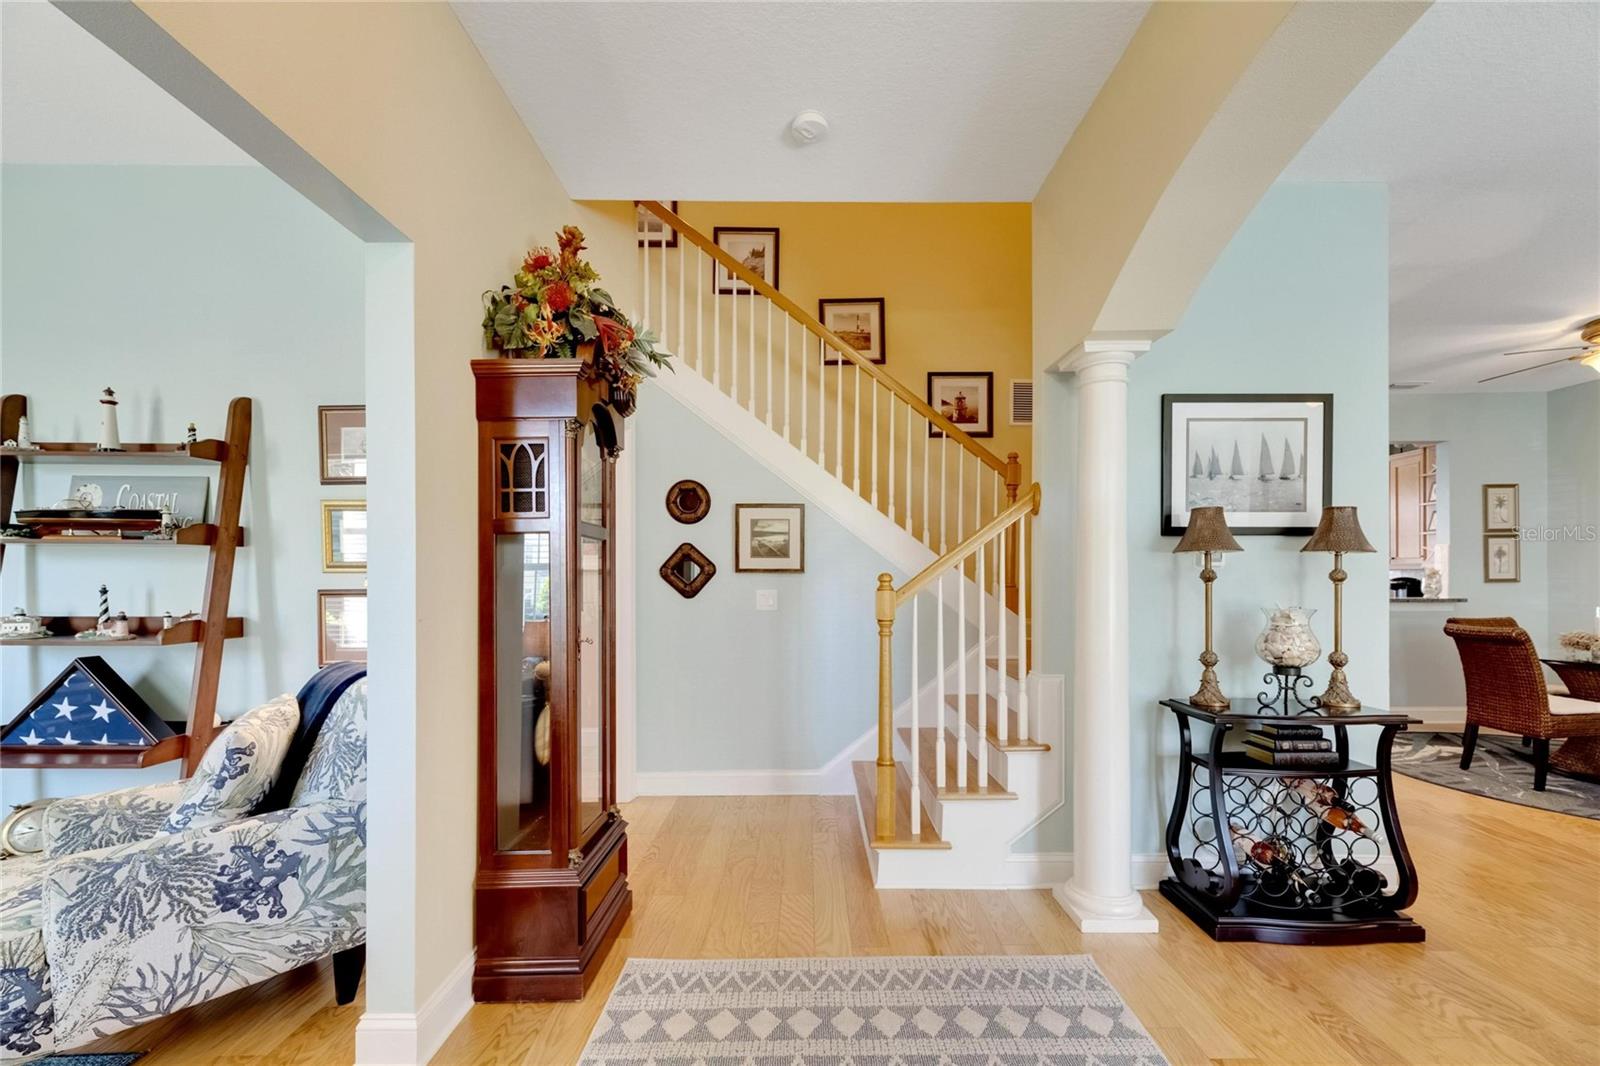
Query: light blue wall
x,y
1298,302
723,686
1574,489
1493,438
180,287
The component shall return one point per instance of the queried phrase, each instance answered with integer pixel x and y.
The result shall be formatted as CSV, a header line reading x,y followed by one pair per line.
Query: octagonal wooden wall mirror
x,y
688,501
688,570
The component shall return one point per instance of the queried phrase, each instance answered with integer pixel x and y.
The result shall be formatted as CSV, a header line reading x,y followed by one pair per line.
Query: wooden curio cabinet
x,y
552,882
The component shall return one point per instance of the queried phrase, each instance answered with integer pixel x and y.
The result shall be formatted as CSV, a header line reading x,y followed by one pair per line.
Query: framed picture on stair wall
x,y
651,231
859,323
967,399
769,537
1266,460
755,248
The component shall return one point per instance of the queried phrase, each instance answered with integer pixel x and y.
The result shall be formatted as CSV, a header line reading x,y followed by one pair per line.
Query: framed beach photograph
x,y
859,323
651,231
342,436
344,536
1502,558
1267,460
1501,507
967,399
769,537
341,626
756,249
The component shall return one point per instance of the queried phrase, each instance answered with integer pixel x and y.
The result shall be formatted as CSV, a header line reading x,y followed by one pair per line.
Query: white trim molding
x,y
413,1039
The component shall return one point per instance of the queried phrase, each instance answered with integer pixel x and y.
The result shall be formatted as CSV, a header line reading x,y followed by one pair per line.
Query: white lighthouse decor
x,y
110,441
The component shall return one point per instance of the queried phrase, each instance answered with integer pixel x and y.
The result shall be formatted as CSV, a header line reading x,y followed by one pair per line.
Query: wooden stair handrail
x,y
1027,504
759,285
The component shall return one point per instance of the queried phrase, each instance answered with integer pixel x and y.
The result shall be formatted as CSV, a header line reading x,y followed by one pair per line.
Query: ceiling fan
x,y
1588,353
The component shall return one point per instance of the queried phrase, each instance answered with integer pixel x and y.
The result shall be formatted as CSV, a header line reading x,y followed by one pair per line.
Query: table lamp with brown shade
x,y
1338,532
1208,532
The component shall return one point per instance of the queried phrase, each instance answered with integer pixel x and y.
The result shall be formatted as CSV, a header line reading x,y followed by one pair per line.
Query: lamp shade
x,y
1339,531
1208,532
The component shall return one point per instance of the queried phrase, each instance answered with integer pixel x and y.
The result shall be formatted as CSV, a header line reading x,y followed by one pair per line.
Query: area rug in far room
x,y
993,1010
1501,769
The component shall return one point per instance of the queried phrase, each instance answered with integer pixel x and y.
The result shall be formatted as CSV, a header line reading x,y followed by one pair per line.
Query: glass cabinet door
x,y
522,691
594,653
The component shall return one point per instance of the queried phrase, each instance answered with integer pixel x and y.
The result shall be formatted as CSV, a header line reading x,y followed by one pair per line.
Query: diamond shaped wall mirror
x,y
688,570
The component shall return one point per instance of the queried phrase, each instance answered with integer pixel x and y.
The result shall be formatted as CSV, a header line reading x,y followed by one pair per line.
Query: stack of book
x,y
1289,744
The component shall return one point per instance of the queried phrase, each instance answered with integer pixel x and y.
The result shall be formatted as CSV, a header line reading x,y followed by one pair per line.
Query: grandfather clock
x,y
552,883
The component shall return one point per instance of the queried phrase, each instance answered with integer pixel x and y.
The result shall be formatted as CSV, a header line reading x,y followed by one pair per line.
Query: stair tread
x,y
867,796
1013,665
927,756
1013,742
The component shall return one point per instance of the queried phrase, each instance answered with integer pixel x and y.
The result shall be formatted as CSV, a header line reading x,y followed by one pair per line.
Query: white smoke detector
x,y
808,127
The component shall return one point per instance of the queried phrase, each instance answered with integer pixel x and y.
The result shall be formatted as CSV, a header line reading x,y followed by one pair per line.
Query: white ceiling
x,y
67,98
926,102
1485,123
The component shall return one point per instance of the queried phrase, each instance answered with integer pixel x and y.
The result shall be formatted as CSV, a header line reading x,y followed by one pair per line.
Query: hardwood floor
x,y
1510,972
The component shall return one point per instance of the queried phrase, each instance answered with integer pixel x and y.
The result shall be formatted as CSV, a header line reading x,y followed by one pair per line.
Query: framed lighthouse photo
x,y
1266,460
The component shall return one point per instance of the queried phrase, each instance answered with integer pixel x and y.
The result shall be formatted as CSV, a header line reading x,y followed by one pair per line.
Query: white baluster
x,y
872,441
889,474
683,282
983,677
838,420
927,532
733,345
961,675
938,636
644,287
769,364
944,466
961,493
665,325
1003,724
750,329
977,500
916,723
805,386
699,309
855,429
716,331
1022,628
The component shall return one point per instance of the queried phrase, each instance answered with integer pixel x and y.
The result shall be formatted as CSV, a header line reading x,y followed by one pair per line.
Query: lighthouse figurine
x,y
110,441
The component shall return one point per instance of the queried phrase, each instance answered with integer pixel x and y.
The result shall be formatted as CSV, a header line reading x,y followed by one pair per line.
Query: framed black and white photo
x,y
769,537
651,231
1266,460
342,434
341,626
967,399
756,249
1501,506
344,536
859,323
1502,558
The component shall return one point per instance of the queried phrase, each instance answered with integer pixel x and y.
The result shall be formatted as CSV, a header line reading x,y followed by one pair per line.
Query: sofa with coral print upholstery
x,y
148,900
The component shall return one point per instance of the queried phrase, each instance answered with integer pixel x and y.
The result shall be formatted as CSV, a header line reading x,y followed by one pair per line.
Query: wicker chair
x,y
1506,690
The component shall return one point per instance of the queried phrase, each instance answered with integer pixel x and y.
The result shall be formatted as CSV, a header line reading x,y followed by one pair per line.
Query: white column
x,y
1100,896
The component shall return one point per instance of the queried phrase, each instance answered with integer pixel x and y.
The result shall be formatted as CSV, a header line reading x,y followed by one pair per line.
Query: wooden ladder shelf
x,y
222,538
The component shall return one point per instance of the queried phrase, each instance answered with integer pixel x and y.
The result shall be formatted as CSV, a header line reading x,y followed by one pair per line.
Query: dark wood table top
x,y
1246,710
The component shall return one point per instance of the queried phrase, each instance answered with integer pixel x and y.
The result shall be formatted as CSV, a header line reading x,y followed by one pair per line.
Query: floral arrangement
x,y
1578,640
556,309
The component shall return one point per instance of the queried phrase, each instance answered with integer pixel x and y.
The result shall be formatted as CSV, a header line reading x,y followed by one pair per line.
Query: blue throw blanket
x,y
316,699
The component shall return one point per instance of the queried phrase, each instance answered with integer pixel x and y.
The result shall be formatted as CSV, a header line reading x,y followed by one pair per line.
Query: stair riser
x,y
962,816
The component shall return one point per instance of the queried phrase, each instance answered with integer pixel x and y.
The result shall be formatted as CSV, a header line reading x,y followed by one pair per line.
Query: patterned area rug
x,y
993,1010
1502,769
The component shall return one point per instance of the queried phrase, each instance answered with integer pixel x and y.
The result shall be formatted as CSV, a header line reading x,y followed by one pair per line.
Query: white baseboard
x,y
413,1039
1046,869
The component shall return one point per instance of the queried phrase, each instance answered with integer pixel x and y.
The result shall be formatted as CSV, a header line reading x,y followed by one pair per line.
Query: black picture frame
x,y
829,357
739,288
1170,528
934,432
650,240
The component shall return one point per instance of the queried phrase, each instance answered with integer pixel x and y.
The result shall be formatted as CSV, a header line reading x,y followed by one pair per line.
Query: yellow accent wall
x,y
955,278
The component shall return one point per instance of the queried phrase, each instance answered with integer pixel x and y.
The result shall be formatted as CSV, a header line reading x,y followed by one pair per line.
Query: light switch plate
x,y
766,599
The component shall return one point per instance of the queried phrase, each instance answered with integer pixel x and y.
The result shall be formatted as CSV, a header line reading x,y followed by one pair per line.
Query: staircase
x,y
965,760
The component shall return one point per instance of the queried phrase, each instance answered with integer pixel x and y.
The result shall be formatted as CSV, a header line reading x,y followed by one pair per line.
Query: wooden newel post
x,y
884,829
1013,480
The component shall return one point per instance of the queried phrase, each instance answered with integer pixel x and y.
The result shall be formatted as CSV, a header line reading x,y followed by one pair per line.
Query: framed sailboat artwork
x,y
1266,459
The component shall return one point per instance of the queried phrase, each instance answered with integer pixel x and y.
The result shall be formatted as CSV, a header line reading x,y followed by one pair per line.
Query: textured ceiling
x,y
926,102
67,98
1485,123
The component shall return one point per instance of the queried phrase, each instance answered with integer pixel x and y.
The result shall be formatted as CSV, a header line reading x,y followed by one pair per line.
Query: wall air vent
x,y
1402,386
1022,402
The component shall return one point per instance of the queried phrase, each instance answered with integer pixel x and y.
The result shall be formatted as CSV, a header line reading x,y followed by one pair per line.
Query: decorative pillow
x,y
337,766
238,767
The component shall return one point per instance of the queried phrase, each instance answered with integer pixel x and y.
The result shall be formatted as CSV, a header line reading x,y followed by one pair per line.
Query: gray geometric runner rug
x,y
986,1010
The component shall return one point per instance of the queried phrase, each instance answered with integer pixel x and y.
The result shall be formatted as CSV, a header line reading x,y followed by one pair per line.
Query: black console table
x,y
1261,858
